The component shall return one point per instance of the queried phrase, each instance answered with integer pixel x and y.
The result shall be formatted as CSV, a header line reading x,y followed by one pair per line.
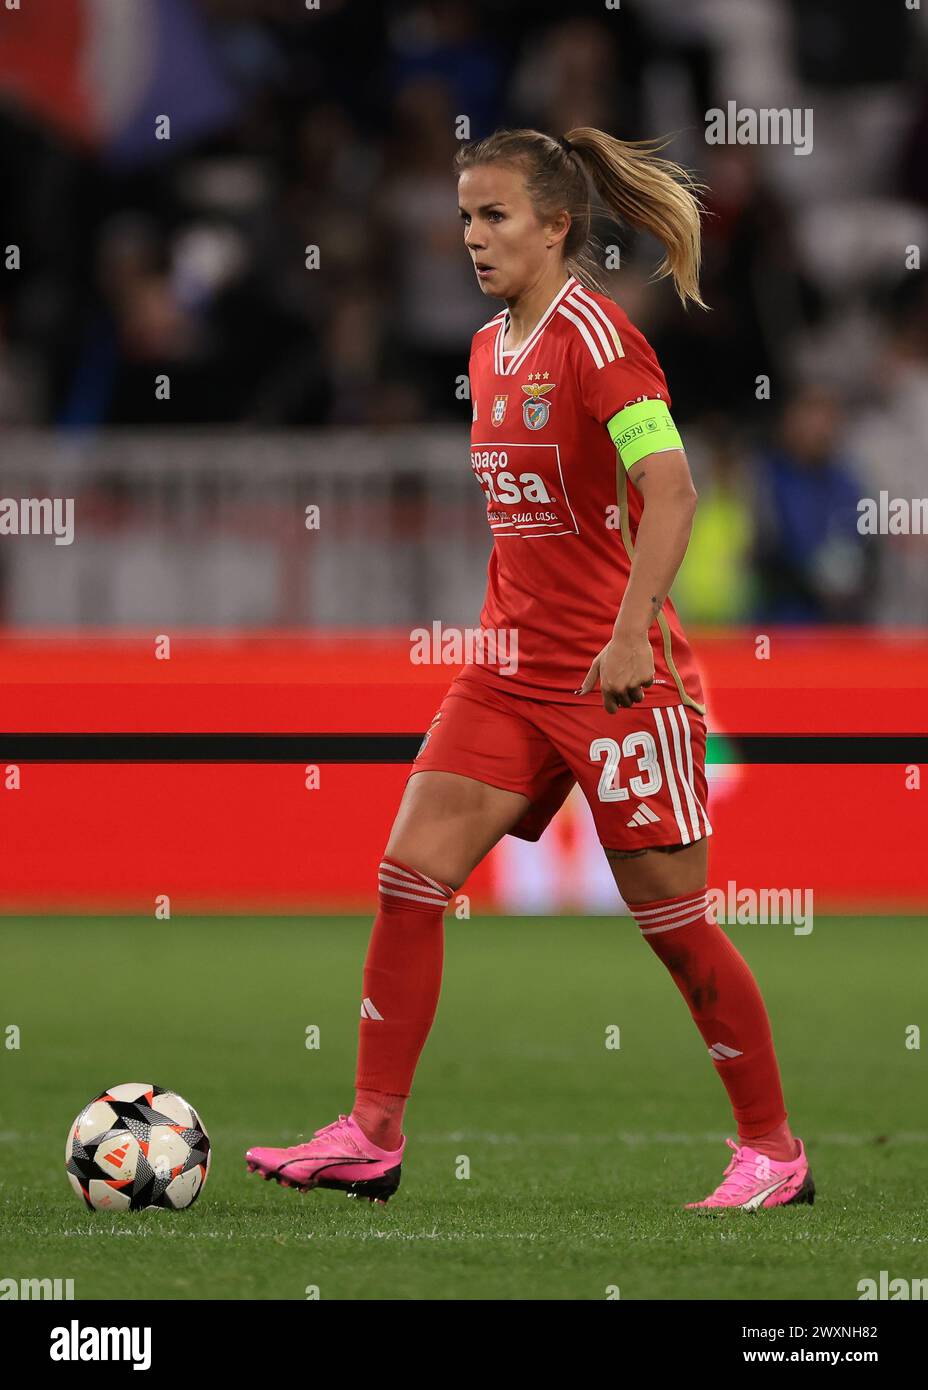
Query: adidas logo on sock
x,y
368,1010
719,1052
643,816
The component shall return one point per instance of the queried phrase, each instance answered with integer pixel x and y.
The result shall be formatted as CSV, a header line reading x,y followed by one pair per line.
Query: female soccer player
x,y
591,502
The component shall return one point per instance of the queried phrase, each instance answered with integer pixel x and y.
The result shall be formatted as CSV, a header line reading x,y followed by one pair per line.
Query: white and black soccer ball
x,y
137,1146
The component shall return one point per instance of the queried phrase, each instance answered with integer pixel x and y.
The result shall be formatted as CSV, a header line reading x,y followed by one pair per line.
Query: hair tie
x,y
565,144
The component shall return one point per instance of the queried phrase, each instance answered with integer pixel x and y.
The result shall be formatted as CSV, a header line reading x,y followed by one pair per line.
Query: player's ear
x,y
558,228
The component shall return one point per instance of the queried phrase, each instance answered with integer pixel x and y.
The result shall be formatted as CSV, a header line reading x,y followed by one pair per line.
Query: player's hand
x,y
624,669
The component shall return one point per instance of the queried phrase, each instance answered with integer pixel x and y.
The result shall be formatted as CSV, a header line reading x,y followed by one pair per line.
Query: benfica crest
x,y
498,413
535,410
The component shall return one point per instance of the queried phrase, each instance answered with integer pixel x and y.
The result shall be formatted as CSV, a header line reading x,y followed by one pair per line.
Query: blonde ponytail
x,y
653,194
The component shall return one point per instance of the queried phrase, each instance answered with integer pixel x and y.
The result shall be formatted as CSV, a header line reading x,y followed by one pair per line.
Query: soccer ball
x,y
137,1146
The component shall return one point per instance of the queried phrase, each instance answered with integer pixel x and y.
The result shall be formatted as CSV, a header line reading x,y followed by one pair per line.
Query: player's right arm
x,y
627,662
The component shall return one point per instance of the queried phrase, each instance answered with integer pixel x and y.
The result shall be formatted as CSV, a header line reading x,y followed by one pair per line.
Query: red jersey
x,y
563,515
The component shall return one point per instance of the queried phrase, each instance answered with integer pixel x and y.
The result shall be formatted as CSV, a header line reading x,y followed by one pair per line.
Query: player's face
x,y
507,244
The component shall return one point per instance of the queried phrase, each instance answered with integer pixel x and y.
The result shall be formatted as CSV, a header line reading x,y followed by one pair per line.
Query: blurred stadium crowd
x,y
336,128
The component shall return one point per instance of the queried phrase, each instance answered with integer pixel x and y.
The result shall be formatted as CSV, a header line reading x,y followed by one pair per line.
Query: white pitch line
x,y
659,1137
346,1235
633,1138
664,1237
630,1137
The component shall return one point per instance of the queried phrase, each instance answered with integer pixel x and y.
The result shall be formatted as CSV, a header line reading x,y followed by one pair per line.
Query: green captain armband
x,y
643,428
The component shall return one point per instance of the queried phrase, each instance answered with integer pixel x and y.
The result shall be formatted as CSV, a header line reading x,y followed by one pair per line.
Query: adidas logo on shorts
x,y
643,816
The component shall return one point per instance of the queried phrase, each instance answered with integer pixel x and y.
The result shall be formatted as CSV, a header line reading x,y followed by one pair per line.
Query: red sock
x,y
402,982
727,1008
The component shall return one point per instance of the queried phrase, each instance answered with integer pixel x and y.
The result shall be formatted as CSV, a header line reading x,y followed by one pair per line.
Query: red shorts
x,y
642,770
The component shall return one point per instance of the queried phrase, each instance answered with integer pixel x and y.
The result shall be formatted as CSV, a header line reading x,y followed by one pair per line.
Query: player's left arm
x,y
625,666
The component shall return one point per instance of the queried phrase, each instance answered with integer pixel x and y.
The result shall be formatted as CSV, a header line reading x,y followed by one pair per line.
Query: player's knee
x,y
422,875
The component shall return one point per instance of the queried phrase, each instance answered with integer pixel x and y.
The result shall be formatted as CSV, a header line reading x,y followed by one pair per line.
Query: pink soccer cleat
x,y
337,1157
752,1180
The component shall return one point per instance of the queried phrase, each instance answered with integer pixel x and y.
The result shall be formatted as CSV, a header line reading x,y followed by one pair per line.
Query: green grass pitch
x,y
580,1156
